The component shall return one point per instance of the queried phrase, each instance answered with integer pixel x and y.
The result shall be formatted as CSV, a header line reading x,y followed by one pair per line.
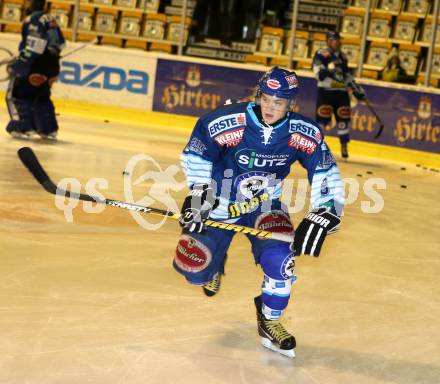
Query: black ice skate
x,y
273,335
22,135
344,151
49,136
213,286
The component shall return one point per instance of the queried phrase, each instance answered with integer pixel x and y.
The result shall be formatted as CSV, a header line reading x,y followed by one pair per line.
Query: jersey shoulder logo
x,y
307,129
226,122
327,161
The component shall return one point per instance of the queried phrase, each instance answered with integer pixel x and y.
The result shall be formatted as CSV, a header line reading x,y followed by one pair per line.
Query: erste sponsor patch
x,y
306,129
223,123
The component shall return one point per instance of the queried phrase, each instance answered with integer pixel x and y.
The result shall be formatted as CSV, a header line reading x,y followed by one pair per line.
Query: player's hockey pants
x,y
200,256
30,107
337,103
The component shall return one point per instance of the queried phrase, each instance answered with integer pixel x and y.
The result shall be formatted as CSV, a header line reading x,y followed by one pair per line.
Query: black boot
x,y
344,151
212,287
273,334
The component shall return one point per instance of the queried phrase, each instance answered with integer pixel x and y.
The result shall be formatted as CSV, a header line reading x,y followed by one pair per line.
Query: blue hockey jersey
x,y
331,69
40,46
246,162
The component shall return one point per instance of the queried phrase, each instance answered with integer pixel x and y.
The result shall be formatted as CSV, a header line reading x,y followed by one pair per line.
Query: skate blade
x,y
286,352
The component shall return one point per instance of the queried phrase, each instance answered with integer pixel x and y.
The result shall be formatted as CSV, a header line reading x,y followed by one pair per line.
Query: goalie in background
x,y
32,74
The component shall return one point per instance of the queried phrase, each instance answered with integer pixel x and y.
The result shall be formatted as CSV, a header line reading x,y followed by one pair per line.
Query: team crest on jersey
x,y
273,84
302,143
230,138
306,129
223,123
251,184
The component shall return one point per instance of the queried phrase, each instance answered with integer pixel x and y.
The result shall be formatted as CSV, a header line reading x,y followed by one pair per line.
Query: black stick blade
x,y
379,132
30,161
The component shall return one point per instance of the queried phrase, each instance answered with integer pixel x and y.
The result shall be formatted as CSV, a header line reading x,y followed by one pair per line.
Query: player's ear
x,y
291,106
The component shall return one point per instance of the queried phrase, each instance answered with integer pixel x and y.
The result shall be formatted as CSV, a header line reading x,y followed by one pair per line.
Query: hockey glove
x,y
196,208
20,67
312,231
358,91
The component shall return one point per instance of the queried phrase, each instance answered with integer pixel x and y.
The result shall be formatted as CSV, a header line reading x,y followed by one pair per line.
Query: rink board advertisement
x,y
103,75
190,88
100,75
411,118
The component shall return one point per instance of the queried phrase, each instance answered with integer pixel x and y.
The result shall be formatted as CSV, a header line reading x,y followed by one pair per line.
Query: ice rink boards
x,y
97,300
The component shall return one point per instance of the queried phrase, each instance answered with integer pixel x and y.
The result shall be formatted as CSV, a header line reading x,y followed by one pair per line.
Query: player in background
x,y
330,66
32,75
235,162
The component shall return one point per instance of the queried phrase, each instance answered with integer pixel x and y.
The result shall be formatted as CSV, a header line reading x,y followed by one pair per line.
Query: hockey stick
x,y
30,161
370,107
6,56
357,88
79,48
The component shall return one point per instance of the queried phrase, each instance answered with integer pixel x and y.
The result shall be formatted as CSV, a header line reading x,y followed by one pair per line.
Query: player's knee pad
x,y
44,117
193,260
21,115
324,114
343,131
278,262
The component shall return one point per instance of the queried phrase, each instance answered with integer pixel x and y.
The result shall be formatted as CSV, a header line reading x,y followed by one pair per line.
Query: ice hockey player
x,y
235,161
330,66
32,74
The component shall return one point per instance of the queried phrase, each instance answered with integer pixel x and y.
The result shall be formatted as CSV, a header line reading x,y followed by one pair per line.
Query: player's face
x,y
273,108
333,44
